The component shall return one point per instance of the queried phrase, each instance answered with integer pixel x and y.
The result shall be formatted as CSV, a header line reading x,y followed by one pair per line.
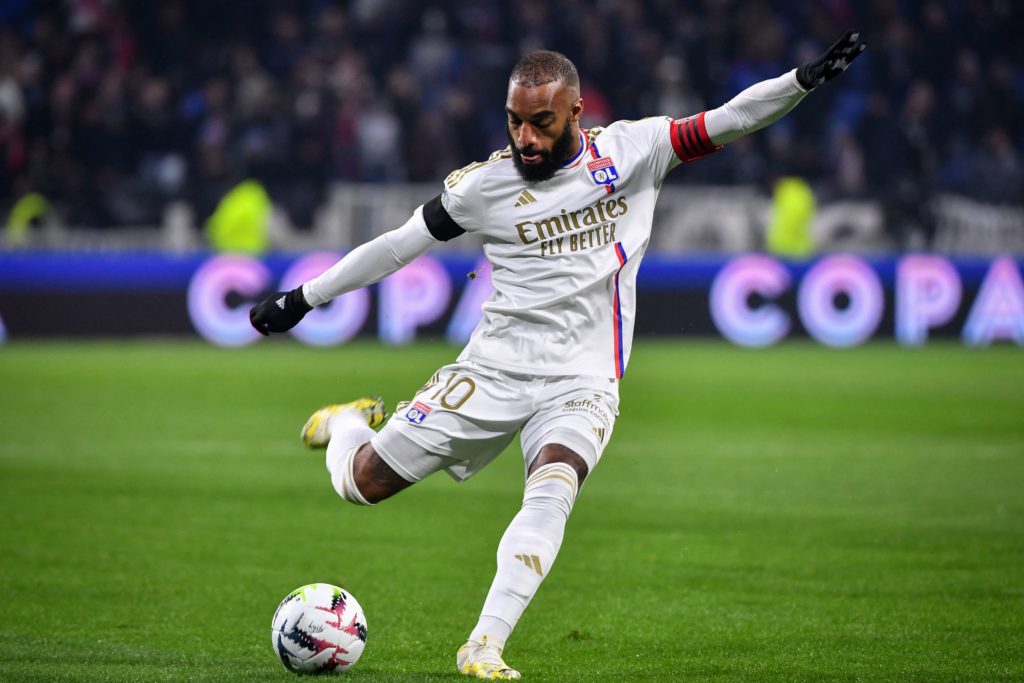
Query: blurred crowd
x,y
111,109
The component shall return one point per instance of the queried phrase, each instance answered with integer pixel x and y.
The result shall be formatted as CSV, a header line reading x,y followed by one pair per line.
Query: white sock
x,y
527,550
349,431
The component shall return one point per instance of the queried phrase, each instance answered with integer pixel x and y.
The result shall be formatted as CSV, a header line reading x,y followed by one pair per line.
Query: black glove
x,y
832,63
280,312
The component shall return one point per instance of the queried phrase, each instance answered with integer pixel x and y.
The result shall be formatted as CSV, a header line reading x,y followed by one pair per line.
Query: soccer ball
x,y
318,629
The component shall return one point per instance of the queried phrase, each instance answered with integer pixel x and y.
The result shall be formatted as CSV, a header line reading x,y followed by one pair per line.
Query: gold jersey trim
x,y
455,177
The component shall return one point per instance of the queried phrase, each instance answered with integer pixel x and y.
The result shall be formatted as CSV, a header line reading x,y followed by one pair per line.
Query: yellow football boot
x,y
316,434
483,660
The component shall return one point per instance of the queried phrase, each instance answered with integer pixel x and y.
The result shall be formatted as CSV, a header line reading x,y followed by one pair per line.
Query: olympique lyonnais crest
x,y
603,171
417,413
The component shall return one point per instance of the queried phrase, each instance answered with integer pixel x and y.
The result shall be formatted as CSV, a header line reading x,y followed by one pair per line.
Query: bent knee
x,y
374,478
556,452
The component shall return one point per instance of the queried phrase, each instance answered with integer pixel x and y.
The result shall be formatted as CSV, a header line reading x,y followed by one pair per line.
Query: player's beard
x,y
551,160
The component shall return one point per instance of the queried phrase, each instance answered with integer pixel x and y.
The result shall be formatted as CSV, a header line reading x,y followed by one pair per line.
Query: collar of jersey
x,y
578,159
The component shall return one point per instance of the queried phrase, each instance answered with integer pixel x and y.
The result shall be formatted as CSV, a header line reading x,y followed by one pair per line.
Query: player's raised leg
x,y
525,555
366,411
357,472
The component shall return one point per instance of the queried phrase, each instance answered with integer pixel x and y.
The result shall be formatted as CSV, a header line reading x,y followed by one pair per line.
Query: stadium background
x,y
803,513
298,127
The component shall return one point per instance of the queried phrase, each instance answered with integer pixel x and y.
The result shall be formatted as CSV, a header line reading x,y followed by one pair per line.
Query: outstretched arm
x,y
766,102
371,262
364,265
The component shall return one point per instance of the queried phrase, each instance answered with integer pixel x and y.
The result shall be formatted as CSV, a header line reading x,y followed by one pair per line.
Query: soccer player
x,y
565,216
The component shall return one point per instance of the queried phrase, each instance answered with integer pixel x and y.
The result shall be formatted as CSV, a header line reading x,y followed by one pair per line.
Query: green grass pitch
x,y
793,514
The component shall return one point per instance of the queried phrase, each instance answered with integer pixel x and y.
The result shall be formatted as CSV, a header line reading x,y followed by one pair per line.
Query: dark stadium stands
x,y
112,109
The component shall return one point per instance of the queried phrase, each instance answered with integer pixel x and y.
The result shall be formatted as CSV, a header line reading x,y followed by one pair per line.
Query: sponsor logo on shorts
x,y
594,408
417,413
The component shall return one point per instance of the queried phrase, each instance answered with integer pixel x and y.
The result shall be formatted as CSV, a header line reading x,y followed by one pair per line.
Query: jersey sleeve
x,y
690,139
440,223
457,209
371,262
667,142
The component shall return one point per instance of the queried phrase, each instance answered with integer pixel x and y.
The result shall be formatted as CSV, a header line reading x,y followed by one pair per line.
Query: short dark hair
x,y
544,66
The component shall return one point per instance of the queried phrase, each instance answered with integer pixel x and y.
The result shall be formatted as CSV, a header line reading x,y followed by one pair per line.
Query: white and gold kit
x,y
556,334
554,339
565,252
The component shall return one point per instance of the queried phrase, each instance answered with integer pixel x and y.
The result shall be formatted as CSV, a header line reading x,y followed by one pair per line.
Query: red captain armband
x,y
690,138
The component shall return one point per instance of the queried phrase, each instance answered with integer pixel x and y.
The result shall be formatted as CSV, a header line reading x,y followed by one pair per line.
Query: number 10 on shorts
x,y
455,392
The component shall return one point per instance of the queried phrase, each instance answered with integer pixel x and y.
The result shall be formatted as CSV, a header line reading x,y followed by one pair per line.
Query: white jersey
x,y
565,252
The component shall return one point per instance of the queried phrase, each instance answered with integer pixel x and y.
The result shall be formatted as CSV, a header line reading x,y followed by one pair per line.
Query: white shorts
x,y
466,415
